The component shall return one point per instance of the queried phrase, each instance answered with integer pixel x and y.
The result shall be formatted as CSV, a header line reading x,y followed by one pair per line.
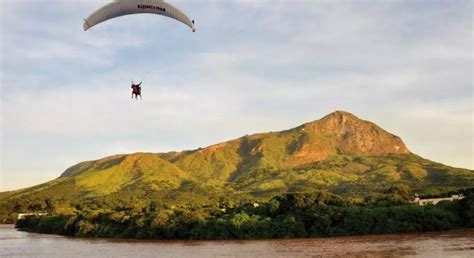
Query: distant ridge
x,y
340,153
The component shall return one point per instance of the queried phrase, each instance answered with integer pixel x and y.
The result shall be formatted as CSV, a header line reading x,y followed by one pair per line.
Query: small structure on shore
x,y
435,201
23,215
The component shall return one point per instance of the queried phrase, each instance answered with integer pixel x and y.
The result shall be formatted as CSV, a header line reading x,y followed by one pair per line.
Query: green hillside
x,y
339,153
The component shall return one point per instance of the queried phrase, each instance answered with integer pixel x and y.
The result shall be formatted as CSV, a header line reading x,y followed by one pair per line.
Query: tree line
x,y
315,214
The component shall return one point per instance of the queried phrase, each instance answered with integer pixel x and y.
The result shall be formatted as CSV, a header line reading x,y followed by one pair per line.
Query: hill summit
x,y
343,132
339,153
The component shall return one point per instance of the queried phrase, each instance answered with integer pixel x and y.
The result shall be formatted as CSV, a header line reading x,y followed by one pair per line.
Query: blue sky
x,y
252,66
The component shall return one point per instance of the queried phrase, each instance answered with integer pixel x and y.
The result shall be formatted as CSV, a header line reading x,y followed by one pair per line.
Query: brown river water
x,y
456,243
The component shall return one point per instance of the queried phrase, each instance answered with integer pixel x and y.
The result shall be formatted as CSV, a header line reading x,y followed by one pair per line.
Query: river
x,y
457,243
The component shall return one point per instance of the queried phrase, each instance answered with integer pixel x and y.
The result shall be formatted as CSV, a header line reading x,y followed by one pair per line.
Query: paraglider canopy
x,y
125,7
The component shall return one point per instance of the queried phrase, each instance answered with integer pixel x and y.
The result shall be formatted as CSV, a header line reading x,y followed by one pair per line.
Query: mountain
x,y
339,153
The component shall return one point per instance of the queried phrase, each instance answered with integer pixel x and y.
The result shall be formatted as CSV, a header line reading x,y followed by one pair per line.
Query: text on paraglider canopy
x,y
145,6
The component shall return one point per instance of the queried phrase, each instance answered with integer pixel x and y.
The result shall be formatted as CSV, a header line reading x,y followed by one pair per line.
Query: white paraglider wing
x,y
126,7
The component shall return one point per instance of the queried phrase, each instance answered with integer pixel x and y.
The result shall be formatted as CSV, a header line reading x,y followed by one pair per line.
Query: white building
x,y
22,215
435,201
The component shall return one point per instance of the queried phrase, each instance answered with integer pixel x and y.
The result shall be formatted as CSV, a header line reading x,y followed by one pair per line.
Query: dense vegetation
x,y
286,216
352,177
332,177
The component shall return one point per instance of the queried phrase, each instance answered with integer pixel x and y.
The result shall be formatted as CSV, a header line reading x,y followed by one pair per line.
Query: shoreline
x,y
450,243
369,236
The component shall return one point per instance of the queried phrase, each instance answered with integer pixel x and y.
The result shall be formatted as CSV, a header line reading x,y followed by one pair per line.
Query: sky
x,y
251,66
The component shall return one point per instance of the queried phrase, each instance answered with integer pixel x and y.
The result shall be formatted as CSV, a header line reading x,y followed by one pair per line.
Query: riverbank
x,y
454,243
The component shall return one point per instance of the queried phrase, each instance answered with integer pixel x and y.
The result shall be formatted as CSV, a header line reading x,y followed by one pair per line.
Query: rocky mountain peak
x,y
348,133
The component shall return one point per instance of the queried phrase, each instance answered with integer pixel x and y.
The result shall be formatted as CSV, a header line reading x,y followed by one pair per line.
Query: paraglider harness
x,y
136,90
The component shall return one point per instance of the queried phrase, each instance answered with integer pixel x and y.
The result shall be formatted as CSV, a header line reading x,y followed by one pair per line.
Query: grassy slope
x,y
200,174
